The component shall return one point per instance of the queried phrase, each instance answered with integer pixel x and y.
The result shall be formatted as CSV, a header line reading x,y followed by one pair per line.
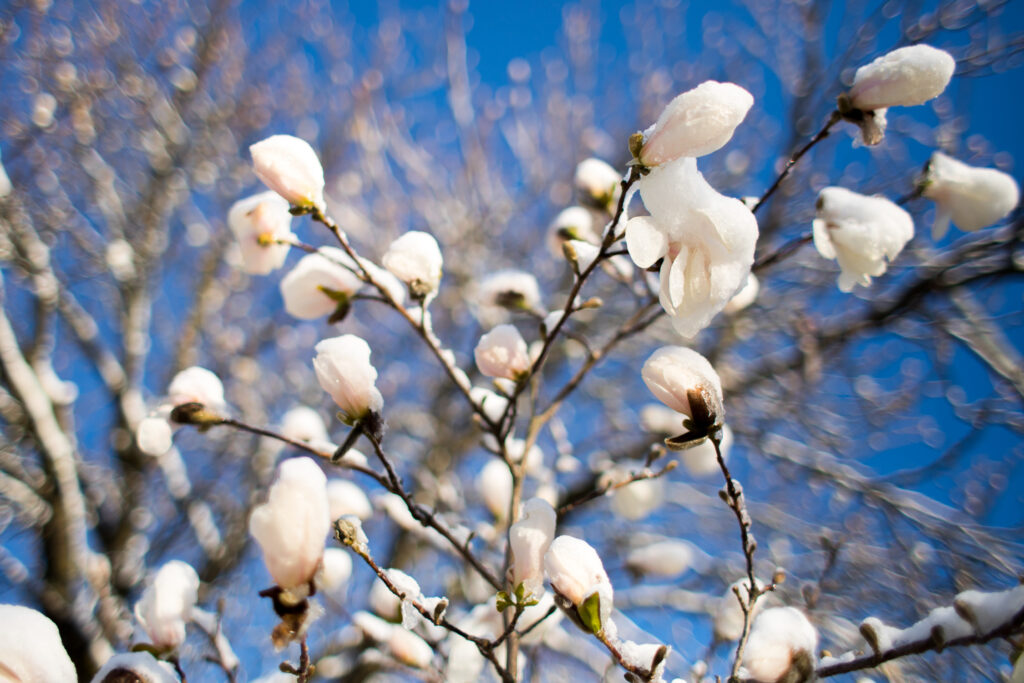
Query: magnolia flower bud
x,y
319,284
782,646
862,233
494,484
167,604
30,648
502,353
302,423
971,197
668,558
902,78
684,380
343,368
135,666
491,403
598,183
529,539
346,498
258,222
196,385
503,291
337,569
410,649
415,259
696,123
574,223
638,499
290,167
578,577
292,526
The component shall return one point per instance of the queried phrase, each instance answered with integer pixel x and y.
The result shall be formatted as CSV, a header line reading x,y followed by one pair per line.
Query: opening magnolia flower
x,y
971,197
292,526
31,649
782,647
705,240
343,368
577,575
529,539
902,78
258,222
415,259
320,284
502,353
290,167
695,123
167,604
862,233
684,380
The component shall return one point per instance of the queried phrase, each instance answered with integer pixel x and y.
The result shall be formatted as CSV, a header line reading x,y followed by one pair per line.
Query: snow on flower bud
x,y
196,385
577,575
502,353
135,666
971,197
292,526
290,167
529,539
684,380
696,123
319,284
504,291
902,78
782,646
598,183
346,498
167,604
705,240
258,223
862,233
415,259
343,368
31,649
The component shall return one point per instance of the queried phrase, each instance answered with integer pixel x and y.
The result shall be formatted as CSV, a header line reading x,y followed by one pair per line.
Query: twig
x,y
833,119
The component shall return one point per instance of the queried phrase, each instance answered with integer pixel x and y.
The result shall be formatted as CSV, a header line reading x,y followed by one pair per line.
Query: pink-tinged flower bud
x,y
319,283
343,368
696,123
529,539
258,223
598,183
902,78
136,666
290,167
969,196
502,353
684,380
292,526
30,648
196,385
862,233
415,259
167,603
782,646
577,575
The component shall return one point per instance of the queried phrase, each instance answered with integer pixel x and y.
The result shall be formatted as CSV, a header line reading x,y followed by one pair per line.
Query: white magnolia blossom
x,y
583,253
410,649
573,223
862,233
502,353
258,223
669,557
902,78
154,435
292,526
494,485
290,167
144,666
781,640
503,291
31,649
706,241
167,603
196,385
529,539
971,197
576,572
745,297
598,183
726,613
346,498
415,259
684,380
638,499
695,123
337,569
318,283
343,368
701,460
302,423
491,403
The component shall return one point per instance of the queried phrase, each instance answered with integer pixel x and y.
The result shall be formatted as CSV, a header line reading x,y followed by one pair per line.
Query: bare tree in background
x,y
124,131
